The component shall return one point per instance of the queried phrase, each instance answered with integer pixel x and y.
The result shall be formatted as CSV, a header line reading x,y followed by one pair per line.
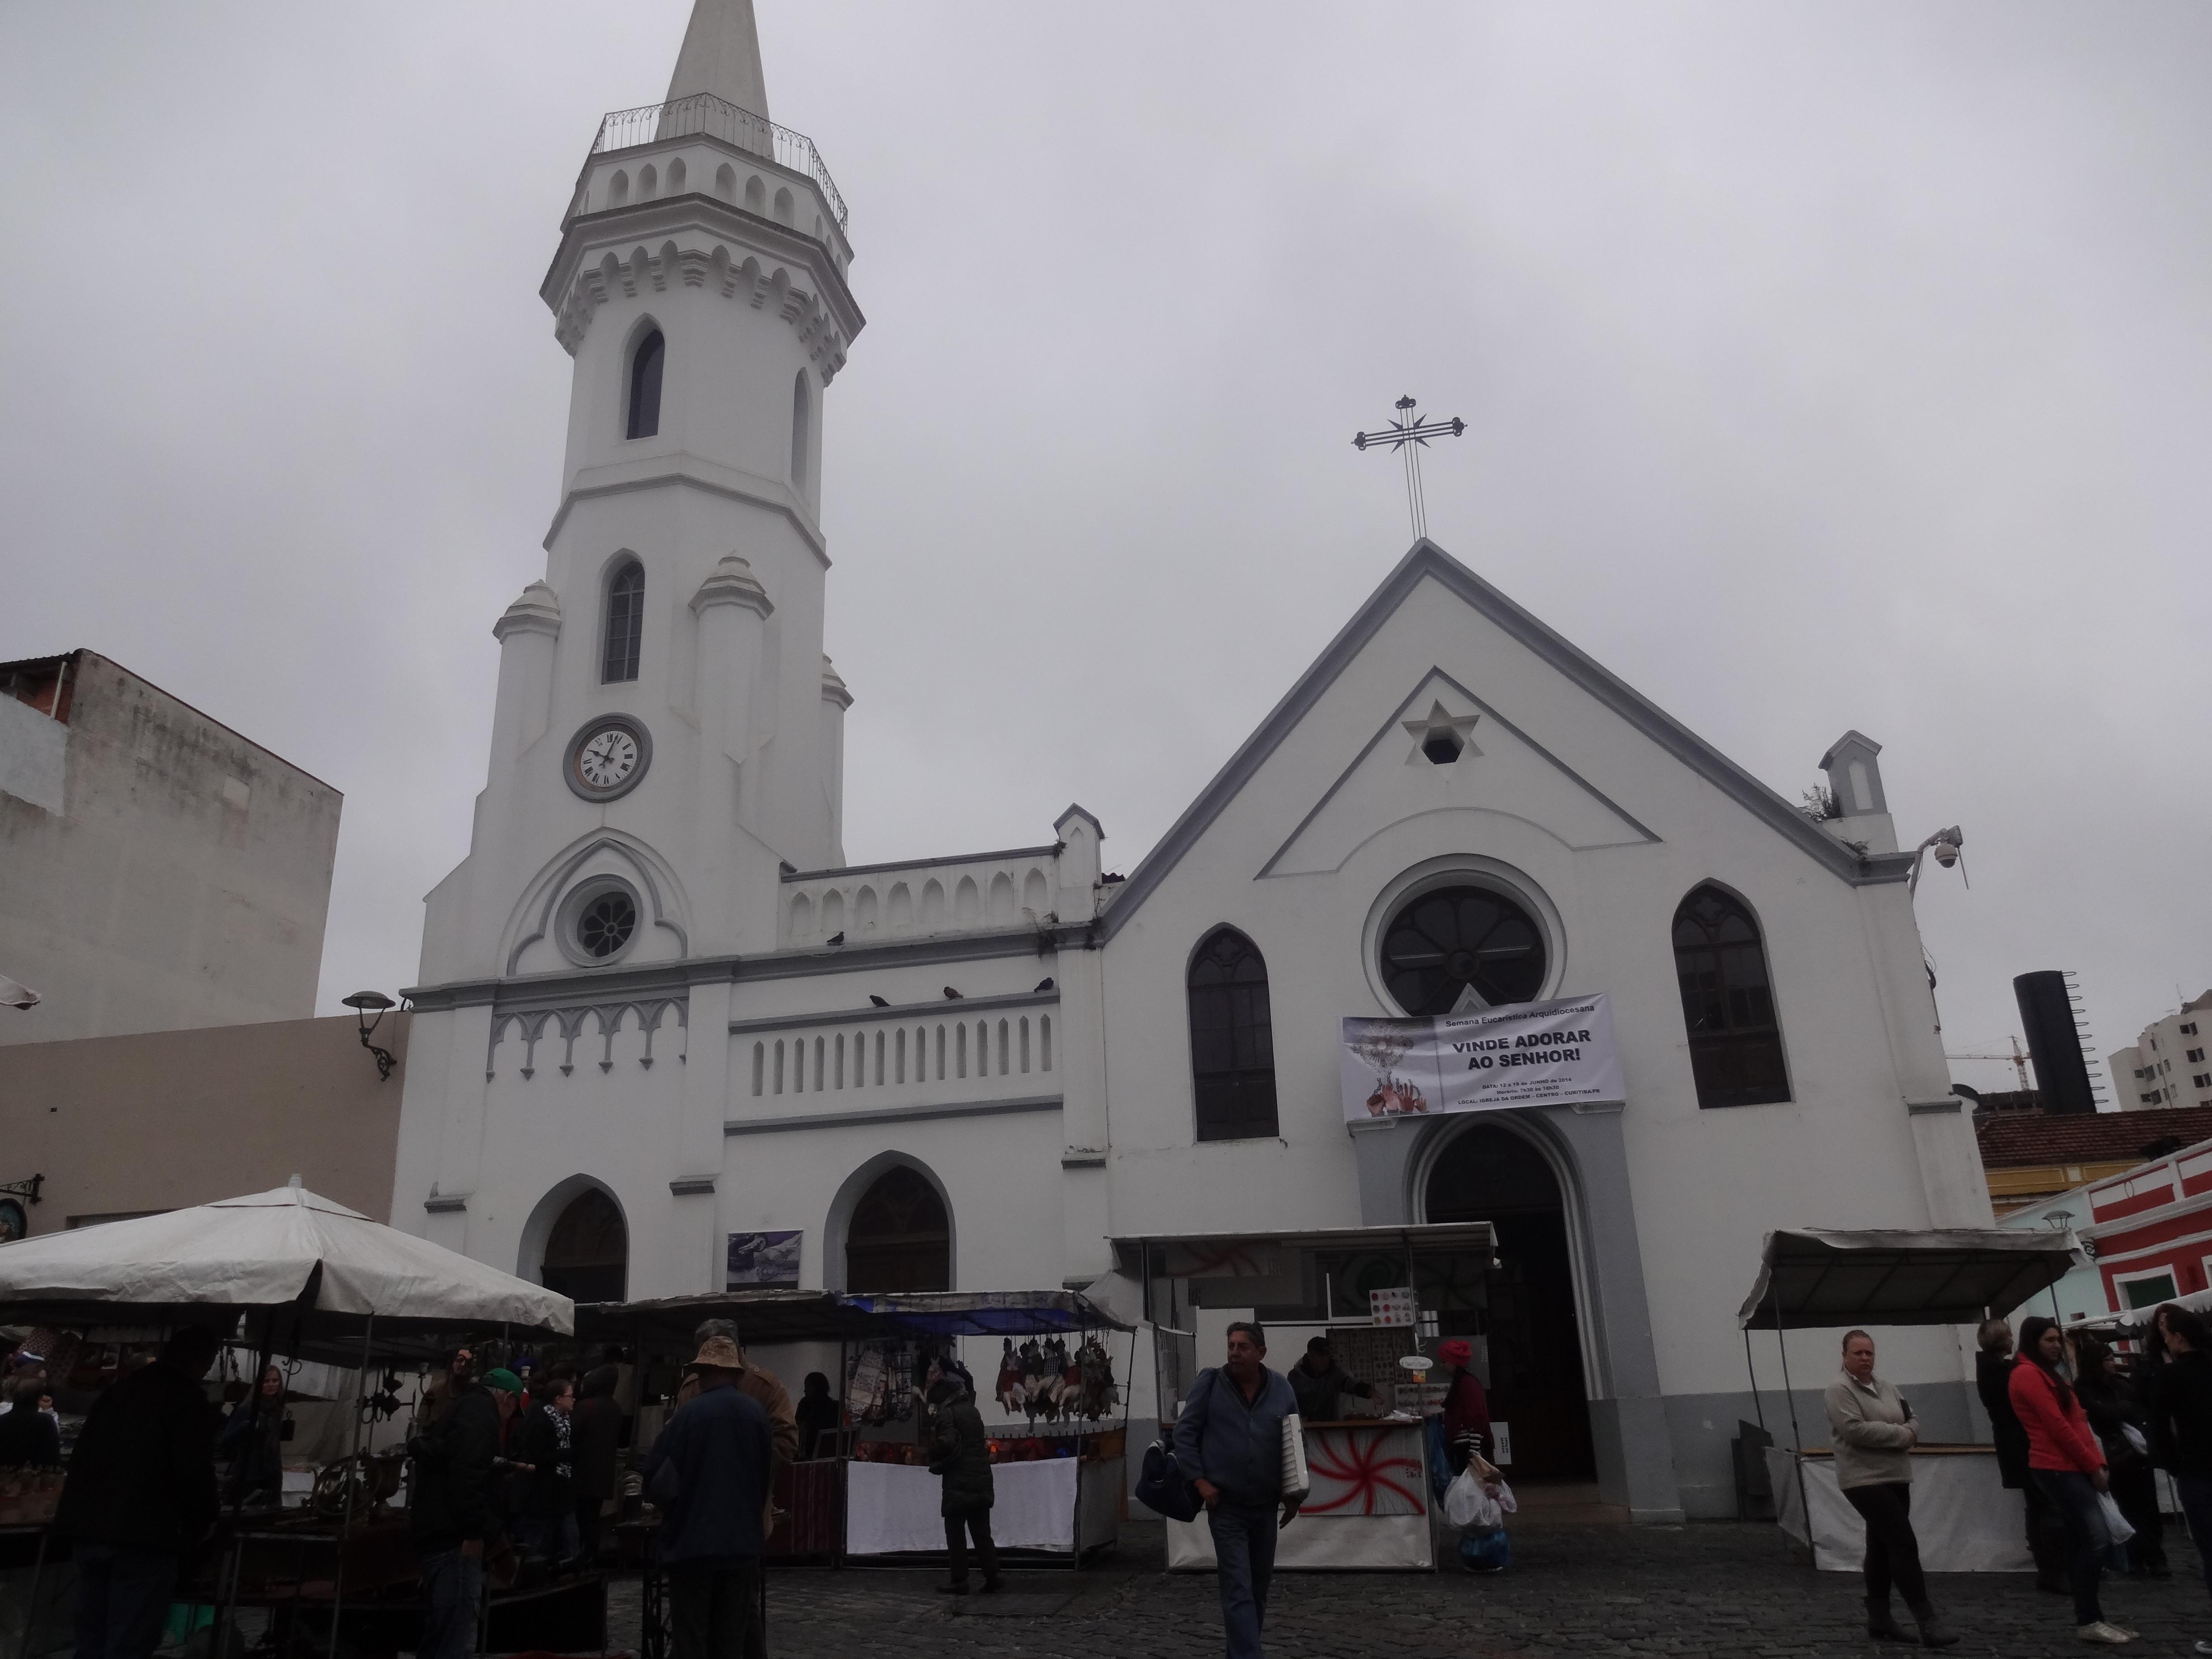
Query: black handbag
x,y
1163,1486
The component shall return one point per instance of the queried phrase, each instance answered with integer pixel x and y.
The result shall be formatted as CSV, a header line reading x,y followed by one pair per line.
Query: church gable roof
x,y
1425,560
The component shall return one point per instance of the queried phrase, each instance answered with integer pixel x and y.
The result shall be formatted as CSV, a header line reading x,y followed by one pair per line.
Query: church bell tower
x,y
669,733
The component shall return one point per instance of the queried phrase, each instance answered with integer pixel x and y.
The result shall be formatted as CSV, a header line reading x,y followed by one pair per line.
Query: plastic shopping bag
x,y
1468,1503
2116,1529
1504,1494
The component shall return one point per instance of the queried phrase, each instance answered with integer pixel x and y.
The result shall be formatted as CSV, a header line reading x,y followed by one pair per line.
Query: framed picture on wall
x,y
763,1259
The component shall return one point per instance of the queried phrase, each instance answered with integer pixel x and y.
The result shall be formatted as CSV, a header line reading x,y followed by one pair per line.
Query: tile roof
x,y
2015,1139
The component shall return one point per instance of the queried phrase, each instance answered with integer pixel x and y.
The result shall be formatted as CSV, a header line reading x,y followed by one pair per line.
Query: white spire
x,y
721,56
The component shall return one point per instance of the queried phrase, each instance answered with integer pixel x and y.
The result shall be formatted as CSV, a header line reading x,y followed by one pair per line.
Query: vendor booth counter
x,y
1062,1505
1369,1507
1965,1519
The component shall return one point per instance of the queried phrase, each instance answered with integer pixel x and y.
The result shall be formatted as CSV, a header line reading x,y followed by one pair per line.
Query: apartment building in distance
x,y
2167,1066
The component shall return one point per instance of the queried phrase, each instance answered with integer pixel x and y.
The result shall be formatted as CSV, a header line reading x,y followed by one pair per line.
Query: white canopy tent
x,y
322,1272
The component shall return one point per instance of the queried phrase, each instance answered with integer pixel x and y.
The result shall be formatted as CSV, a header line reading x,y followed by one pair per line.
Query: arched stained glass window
x,y
625,622
1727,1004
645,365
900,1238
1232,1042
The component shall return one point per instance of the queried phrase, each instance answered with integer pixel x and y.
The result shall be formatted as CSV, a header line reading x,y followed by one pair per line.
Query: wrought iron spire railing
x,y
717,117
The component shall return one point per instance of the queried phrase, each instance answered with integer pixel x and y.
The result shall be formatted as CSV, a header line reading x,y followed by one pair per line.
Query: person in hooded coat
x,y
961,1454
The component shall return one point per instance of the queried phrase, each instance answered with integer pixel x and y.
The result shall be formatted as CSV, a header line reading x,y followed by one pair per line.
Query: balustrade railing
x,y
999,1050
704,114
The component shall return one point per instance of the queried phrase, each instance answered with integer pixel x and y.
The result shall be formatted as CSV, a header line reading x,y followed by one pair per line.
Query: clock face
x,y
608,758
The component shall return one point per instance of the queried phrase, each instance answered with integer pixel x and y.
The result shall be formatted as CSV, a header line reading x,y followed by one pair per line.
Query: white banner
x,y
1532,1054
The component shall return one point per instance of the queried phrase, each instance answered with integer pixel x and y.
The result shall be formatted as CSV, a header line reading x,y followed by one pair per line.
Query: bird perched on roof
x,y
878,1001
951,995
1045,984
835,938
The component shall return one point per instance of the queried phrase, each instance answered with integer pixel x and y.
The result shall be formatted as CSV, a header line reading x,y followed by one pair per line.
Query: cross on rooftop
x,y
1409,435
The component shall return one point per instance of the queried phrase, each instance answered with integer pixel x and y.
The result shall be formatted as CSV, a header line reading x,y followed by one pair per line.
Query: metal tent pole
x,y
1749,1371
1796,1436
354,1480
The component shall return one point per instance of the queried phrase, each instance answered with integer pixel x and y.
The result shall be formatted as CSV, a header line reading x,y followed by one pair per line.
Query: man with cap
x,y
763,1386
1320,1384
710,1474
455,1508
1466,1408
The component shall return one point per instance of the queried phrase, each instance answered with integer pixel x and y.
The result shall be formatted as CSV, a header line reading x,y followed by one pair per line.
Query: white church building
x,y
658,1009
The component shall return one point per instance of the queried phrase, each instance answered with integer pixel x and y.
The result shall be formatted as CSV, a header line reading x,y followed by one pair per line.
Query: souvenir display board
x,y
1048,1380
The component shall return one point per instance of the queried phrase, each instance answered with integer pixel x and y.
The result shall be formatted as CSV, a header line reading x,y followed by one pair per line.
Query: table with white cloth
x,y
1063,1504
1963,1515
1369,1507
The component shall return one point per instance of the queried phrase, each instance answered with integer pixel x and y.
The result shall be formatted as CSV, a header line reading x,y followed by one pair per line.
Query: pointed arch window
x,y
1232,1042
644,366
1727,1002
625,622
800,409
901,1238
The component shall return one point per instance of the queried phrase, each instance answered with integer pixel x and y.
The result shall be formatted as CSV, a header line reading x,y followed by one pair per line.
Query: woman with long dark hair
x,y
2065,1461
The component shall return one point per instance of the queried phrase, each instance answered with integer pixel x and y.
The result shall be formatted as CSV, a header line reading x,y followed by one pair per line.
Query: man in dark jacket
x,y
962,1455
715,1454
1320,1384
595,1447
28,1437
1992,1373
140,1495
1229,1441
454,1508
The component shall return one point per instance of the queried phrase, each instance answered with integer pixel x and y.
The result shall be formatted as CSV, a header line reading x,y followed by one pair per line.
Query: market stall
x,y
1060,1473
288,1274
1811,1280
1380,1294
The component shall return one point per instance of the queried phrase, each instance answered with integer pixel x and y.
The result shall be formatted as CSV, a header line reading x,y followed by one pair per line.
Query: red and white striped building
x,y
2151,1227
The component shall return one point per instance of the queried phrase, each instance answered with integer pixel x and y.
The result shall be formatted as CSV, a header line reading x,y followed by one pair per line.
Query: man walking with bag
x,y
1229,1443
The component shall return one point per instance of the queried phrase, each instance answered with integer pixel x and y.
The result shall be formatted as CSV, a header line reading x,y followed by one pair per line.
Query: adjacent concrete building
x,y
2165,1067
157,870
125,1126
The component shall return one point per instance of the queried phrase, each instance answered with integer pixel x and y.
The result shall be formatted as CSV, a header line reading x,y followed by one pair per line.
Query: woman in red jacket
x,y
2065,1460
1467,1409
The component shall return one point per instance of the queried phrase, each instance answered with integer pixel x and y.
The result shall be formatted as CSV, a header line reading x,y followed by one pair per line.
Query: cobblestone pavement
x,y
1728,1589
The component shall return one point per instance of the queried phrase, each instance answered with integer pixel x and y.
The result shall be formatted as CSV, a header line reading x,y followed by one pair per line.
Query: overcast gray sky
x,y
1825,366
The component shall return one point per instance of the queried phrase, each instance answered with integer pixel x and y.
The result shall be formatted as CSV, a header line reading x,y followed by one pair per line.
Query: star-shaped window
x,y
1440,737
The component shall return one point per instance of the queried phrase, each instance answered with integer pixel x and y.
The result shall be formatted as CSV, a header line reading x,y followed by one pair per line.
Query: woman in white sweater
x,y
1873,1435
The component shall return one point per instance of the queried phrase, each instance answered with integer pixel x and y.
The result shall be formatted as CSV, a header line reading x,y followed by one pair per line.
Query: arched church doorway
x,y
588,1251
900,1237
1520,1314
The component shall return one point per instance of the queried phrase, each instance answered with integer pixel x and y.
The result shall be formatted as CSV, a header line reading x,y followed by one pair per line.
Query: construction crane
x,y
2019,1061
